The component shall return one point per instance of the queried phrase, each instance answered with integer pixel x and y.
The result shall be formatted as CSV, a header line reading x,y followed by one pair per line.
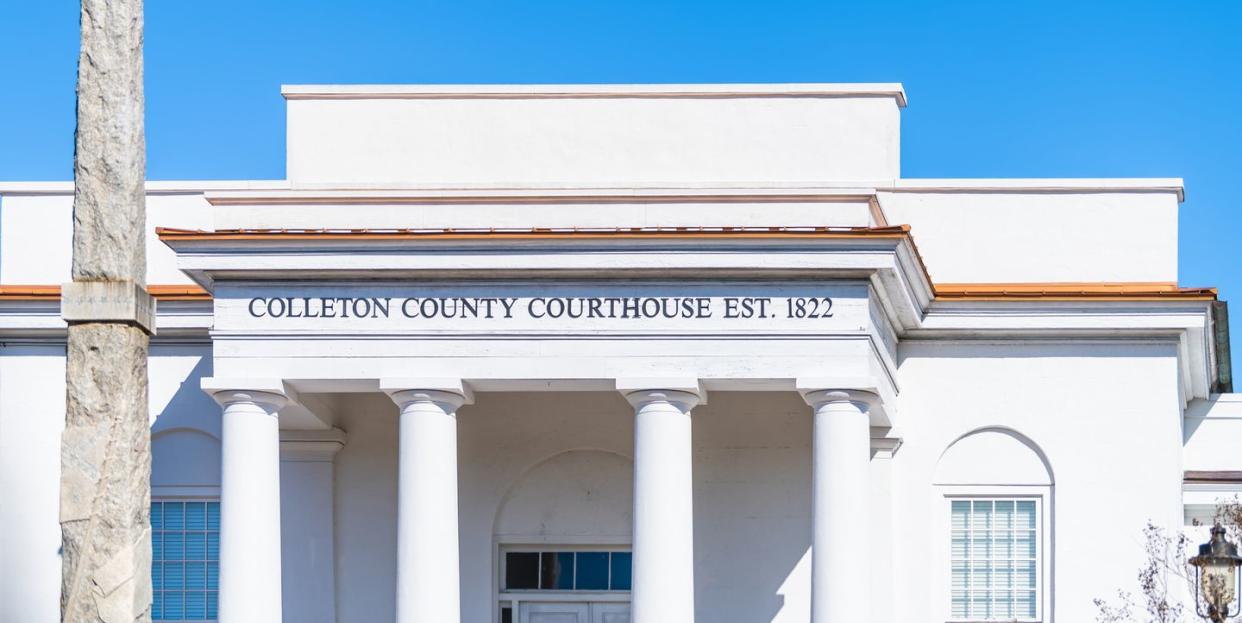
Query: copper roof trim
x,y
1127,291
951,291
1207,477
162,292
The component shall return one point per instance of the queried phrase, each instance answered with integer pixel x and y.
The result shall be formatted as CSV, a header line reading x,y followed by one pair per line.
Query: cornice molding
x,y
538,196
311,446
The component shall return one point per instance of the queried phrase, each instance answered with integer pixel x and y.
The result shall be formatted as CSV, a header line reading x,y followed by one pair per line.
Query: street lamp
x,y
1216,571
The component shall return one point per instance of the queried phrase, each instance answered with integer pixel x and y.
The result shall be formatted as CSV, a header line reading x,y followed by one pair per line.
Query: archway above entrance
x,y
572,497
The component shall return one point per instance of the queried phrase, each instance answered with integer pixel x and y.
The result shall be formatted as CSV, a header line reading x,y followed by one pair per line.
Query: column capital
x,y
687,392
271,394
860,398
451,392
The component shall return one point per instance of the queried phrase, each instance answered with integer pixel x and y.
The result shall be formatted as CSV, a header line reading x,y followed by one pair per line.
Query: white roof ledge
x,y
154,187
1080,185
544,91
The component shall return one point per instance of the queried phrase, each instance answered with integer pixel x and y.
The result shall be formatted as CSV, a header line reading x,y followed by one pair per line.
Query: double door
x,y
574,612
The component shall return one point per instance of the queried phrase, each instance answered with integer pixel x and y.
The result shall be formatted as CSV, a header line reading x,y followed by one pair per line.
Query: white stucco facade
x,y
705,333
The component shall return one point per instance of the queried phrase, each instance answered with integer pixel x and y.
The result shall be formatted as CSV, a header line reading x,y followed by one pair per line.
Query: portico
x,y
428,574
688,317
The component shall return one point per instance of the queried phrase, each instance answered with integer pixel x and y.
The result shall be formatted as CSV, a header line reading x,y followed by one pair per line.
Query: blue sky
x,y
997,89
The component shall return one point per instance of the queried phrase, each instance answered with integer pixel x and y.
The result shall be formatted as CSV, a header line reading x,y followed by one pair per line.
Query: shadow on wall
x,y
185,433
183,458
752,505
188,406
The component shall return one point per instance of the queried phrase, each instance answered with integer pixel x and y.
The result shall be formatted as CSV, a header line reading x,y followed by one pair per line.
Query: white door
x,y
573,613
610,613
554,613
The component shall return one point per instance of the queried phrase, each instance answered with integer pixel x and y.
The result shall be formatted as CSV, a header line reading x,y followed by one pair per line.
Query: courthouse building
x,y
650,353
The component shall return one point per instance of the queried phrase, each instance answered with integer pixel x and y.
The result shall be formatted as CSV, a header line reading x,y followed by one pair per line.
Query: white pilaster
x,y
663,585
840,577
250,575
307,533
428,572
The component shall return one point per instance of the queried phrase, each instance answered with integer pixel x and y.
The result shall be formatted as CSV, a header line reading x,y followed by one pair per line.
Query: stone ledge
x,y
108,301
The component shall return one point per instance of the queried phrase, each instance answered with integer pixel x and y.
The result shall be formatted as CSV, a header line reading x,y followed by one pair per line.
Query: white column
x,y
250,576
428,584
663,586
840,576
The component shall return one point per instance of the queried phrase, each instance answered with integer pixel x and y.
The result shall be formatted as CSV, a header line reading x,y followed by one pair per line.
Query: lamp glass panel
x,y
1219,581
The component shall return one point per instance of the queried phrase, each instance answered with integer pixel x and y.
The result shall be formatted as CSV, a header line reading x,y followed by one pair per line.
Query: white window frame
x,y
942,535
178,494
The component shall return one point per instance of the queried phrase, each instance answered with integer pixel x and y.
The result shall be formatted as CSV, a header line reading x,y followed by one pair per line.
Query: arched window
x,y
994,489
185,525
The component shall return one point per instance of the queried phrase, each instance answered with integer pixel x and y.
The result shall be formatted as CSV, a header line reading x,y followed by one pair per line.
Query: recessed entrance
x,y
563,541
565,585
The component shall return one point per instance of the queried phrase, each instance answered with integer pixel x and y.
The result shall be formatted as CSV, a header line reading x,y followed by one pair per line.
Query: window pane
x,y
196,546
521,570
157,515
592,571
174,515
556,571
213,515
174,575
196,575
1002,546
506,615
981,547
157,546
173,606
157,606
174,546
1004,515
195,516
212,604
960,604
981,575
1025,517
961,513
213,545
1024,575
981,515
157,575
196,605
622,570
1024,545
1024,604
980,605
959,581
960,544
1004,575
1002,608
213,575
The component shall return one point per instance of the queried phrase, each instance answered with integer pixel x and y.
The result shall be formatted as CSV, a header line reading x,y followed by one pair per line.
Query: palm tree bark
x,y
105,447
